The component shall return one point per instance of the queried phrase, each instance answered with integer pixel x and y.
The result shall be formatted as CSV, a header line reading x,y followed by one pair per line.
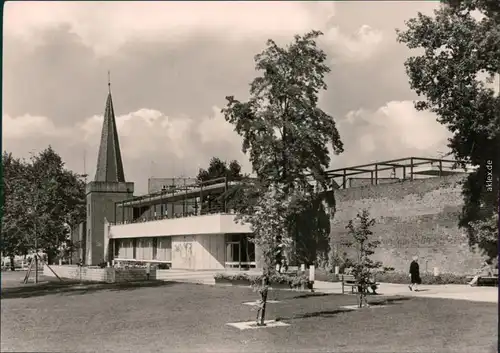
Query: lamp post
x,y
33,214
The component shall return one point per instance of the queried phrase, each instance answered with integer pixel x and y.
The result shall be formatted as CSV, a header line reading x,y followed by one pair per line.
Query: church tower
x,y
108,187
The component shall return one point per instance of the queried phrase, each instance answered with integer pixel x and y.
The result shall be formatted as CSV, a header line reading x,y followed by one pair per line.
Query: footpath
x,y
445,291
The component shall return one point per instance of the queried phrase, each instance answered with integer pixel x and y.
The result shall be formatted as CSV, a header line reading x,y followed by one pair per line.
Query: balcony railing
x,y
144,219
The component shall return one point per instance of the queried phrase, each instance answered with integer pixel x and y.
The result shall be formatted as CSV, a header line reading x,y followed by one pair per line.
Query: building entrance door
x,y
233,254
240,251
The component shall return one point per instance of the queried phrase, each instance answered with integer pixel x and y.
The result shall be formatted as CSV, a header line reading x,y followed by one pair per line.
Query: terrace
x,y
205,198
196,199
396,170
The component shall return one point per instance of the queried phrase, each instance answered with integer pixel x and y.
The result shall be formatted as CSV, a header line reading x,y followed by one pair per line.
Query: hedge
x,y
293,280
401,277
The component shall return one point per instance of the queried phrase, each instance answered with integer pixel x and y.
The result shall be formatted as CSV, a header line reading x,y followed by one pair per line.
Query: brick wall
x,y
109,275
73,272
417,217
130,274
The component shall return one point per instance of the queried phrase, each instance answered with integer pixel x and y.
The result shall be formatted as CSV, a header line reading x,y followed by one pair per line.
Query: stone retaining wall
x,y
417,217
109,274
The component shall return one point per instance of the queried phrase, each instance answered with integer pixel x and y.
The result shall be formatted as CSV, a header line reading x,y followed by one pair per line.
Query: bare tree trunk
x,y
263,304
12,264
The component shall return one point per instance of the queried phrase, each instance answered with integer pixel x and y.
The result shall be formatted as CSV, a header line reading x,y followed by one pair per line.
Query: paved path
x,y
447,291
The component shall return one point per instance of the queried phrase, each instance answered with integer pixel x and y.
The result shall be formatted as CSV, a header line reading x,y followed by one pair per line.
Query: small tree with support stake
x,y
268,223
359,231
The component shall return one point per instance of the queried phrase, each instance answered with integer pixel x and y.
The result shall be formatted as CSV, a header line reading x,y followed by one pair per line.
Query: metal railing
x,y
147,218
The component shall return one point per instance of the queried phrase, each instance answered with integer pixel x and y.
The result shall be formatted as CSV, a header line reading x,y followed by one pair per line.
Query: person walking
x,y
148,270
415,279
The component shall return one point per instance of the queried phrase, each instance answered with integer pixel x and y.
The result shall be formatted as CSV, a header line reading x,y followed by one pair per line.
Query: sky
x,y
172,65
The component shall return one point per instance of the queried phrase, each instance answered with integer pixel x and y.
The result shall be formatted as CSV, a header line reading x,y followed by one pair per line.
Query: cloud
x,y
395,130
359,46
27,126
172,64
105,26
151,142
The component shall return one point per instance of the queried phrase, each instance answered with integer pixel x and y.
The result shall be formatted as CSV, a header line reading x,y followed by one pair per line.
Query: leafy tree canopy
x,y
460,52
288,139
218,168
41,199
284,131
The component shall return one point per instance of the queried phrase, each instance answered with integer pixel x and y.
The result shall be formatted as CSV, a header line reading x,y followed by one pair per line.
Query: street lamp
x,y
32,213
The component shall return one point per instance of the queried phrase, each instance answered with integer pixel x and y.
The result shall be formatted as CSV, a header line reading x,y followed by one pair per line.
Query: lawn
x,y
167,317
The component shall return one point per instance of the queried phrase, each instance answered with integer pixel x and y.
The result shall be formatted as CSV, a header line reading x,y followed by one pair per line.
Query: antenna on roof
x,y
109,81
85,165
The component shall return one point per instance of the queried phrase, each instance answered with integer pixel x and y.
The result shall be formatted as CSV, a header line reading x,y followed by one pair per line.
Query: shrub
x,y
280,278
294,281
300,281
232,277
325,275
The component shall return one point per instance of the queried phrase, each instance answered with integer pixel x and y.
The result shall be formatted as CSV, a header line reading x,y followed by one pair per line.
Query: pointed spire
x,y
109,159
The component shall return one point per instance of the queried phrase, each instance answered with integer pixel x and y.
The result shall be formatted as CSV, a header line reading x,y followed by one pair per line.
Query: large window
x,y
164,249
116,247
144,249
155,248
125,249
240,251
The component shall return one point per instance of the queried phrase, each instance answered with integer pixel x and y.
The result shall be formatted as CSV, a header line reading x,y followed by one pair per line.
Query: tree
x,y
58,200
286,136
363,265
284,131
42,199
15,225
218,169
268,222
311,228
460,44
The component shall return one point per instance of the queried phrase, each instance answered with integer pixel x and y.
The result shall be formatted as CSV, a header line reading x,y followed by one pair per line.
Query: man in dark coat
x,y
414,274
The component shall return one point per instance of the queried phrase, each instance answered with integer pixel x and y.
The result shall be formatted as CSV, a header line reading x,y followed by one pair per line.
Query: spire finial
x,y
109,81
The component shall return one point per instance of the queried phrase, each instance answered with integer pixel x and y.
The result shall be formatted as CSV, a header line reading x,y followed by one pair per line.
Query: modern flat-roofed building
x,y
203,235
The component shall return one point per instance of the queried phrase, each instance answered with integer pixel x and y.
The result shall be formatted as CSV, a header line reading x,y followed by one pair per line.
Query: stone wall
x,y
417,217
73,272
108,275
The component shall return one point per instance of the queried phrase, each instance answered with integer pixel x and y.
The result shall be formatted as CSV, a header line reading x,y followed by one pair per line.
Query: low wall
x,y
108,275
131,274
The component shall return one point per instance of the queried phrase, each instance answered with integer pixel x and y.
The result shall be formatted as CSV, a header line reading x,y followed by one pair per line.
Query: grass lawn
x,y
166,317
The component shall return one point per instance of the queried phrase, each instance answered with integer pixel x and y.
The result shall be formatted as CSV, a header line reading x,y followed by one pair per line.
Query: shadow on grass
x,y
76,288
332,313
309,295
324,313
389,301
